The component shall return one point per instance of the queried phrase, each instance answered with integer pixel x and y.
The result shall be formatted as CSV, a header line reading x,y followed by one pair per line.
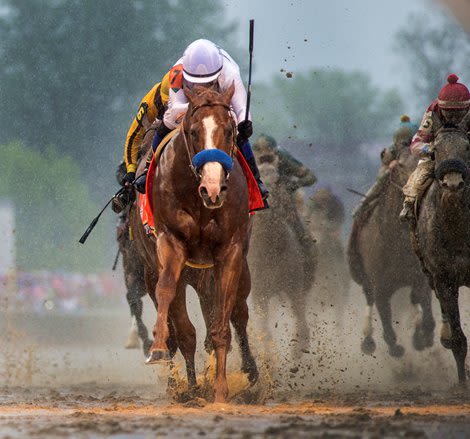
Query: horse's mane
x,y
209,95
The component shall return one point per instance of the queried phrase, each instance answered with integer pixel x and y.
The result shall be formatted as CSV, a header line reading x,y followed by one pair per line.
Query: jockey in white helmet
x,y
204,63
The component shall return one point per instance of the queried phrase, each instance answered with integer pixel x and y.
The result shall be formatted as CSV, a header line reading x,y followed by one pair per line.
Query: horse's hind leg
x,y
385,312
185,332
452,336
368,344
421,298
135,291
299,305
239,321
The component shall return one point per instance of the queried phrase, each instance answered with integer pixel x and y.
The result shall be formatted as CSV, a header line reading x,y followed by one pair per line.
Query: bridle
x,y
191,151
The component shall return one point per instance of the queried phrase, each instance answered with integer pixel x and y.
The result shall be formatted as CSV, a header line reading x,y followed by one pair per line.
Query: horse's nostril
x,y
223,188
203,190
461,184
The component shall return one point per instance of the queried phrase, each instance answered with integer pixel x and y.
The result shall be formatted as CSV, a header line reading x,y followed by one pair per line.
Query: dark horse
x,y
201,218
382,260
281,267
442,233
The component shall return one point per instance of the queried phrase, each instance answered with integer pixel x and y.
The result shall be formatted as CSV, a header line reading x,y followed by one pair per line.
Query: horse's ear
x,y
229,93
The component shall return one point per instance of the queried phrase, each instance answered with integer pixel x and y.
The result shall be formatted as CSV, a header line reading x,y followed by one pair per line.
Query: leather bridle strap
x,y
186,143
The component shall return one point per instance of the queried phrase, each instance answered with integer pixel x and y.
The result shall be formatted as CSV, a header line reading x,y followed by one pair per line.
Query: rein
x,y
191,151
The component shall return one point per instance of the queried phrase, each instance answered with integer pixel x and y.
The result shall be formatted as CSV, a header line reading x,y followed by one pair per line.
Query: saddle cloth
x,y
144,201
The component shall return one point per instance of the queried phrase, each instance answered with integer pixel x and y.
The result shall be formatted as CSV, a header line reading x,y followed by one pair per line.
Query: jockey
x,y
401,139
205,64
151,107
450,107
293,175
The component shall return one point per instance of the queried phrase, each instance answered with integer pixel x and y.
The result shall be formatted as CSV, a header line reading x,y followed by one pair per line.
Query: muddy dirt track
x,y
88,411
69,376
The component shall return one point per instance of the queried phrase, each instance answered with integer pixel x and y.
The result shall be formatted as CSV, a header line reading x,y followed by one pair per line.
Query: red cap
x,y
454,95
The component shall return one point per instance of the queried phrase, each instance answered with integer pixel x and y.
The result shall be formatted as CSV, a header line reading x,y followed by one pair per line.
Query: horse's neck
x,y
452,212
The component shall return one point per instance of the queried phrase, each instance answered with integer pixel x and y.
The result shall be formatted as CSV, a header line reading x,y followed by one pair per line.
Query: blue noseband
x,y
212,155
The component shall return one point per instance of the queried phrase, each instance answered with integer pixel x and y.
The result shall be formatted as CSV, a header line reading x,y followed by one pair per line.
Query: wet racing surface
x,y
69,376
91,411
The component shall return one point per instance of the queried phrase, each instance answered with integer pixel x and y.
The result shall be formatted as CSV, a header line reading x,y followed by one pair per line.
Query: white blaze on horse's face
x,y
212,173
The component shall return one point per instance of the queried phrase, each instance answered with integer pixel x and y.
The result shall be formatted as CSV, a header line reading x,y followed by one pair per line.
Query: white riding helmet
x,y
202,62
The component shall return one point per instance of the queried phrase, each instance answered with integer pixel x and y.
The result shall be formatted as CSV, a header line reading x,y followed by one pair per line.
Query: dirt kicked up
x,y
92,411
70,376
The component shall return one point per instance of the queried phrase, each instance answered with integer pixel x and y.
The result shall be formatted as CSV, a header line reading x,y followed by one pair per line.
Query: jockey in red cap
x,y
451,105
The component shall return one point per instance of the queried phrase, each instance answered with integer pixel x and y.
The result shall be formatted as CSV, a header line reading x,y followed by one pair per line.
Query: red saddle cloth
x,y
144,201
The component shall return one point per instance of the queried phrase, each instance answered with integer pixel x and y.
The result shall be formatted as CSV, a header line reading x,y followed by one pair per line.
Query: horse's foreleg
x,y
423,336
185,332
171,257
452,336
227,273
385,312
239,321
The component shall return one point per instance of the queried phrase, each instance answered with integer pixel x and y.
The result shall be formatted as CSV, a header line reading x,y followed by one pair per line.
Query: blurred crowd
x,y
44,291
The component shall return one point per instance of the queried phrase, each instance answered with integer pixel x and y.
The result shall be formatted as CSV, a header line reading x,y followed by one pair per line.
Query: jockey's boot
x,y
141,180
160,134
408,208
247,152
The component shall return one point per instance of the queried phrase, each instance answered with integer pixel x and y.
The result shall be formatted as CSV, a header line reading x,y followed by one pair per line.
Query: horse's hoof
x,y
252,373
368,345
158,356
421,340
446,342
147,346
396,351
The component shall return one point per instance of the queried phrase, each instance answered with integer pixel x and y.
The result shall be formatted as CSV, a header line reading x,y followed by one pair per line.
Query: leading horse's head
x,y
209,130
452,157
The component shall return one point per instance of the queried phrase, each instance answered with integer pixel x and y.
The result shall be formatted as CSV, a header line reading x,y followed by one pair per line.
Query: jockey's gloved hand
x,y
128,179
245,129
425,150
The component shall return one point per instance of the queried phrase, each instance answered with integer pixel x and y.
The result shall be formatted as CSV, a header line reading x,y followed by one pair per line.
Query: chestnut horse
x,y
200,206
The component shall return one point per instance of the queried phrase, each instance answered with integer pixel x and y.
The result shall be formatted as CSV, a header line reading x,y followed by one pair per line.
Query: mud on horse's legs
x,y
171,257
185,332
454,339
239,321
228,265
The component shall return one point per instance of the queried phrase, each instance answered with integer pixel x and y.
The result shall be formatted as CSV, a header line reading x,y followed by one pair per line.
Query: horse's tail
x,y
356,265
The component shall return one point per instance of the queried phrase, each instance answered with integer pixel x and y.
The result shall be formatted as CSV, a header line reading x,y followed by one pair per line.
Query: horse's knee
x,y
221,336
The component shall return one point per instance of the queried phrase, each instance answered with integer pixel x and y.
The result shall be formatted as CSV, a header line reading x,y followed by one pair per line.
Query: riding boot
x,y
254,169
407,212
247,152
160,134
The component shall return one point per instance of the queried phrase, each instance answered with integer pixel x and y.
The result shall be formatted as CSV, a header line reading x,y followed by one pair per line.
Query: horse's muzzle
x,y
213,201
452,174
